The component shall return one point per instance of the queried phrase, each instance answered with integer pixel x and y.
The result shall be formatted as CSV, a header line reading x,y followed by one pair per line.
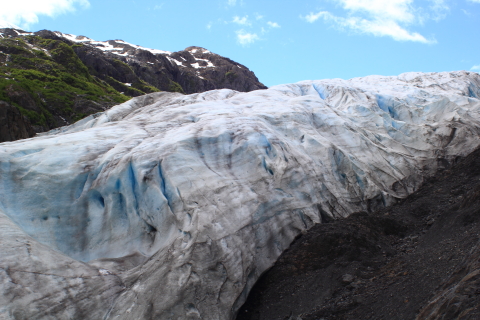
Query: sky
x,y
282,41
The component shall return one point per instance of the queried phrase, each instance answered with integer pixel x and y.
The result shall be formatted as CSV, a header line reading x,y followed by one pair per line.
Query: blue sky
x,y
281,41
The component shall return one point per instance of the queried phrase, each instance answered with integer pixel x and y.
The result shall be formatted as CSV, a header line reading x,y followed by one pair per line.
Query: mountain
x,y
172,205
55,79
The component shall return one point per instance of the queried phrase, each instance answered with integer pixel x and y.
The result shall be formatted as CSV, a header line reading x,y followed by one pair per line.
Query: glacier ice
x,y
170,206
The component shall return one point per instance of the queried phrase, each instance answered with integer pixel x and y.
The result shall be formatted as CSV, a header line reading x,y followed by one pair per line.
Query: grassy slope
x,y
43,77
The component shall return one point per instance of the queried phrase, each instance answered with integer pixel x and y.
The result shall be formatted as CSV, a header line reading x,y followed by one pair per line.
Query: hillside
x,y
55,79
49,84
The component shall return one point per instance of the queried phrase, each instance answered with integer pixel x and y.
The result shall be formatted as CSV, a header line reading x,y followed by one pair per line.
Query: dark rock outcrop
x,y
13,125
198,75
188,71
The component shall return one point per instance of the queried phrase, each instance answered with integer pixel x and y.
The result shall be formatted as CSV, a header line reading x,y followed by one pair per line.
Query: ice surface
x,y
210,188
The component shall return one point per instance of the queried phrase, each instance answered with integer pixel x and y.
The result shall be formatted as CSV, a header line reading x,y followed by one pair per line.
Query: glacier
x,y
171,206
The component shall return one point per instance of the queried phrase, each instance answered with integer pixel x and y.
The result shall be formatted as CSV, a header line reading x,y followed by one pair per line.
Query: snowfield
x,y
171,206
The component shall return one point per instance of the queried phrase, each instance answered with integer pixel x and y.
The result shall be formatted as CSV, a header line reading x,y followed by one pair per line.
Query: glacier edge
x,y
210,188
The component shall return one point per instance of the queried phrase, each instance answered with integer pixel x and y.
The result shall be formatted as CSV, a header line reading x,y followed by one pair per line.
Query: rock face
x,y
13,125
204,70
192,70
184,201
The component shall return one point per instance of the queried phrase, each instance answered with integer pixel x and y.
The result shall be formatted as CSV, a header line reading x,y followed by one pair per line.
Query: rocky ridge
x,y
110,73
195,69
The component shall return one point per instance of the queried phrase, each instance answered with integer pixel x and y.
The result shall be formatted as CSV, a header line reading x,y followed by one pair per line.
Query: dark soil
x,y
419,259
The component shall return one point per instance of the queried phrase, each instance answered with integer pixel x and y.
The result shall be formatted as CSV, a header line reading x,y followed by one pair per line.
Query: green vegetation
x,y
121,87
231,76
42,77
145,87
175,87
46,80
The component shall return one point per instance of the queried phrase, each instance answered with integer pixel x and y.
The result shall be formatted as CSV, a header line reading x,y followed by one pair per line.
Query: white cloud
x,y
233,3
241,21
379,28
475,68
477,1
273,24
383,18
312,17
26,12
398,10
438,10
257,28
258,16
5,24
246,38
158,6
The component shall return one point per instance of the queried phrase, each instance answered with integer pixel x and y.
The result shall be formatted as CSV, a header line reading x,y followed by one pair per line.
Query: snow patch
x,y
198,66
38,48
108,46
209,63
178,63
193,51
23,33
